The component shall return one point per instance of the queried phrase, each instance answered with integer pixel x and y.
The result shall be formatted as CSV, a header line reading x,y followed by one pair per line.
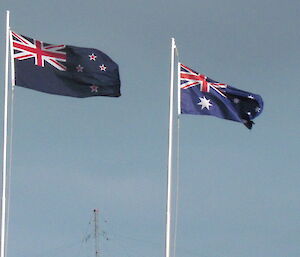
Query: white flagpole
x,y
178,91
5,121
12,66
177,154
169,180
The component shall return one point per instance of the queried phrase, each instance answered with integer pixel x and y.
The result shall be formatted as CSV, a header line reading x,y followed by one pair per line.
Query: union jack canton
x,y
201,95
53,54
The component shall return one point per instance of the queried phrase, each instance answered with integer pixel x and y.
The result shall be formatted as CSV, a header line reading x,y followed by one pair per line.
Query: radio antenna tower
x,y
96,232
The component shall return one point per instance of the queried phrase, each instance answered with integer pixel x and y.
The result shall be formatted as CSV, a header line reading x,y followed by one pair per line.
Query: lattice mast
x,y
96,232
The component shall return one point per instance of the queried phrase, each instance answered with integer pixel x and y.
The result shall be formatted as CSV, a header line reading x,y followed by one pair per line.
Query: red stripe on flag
x,y
190,85
39,51
24,56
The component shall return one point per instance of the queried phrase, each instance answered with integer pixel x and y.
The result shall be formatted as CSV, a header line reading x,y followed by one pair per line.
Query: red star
x,y
102,67
93,57
94,89
79,68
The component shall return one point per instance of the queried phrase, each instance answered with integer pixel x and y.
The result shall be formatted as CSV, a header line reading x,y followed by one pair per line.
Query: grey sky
x,y
239,189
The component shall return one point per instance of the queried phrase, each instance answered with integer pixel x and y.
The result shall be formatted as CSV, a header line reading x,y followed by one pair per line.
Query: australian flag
x,y
204,96
63,69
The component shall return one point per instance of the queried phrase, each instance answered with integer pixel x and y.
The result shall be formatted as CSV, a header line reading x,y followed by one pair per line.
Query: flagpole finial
x,y
174,46
7,18
173,42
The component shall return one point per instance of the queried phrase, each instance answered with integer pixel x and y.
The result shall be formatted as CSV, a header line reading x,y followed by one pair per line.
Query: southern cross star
x,y
236,100
79,68
102,67
94,89
205,103
93,57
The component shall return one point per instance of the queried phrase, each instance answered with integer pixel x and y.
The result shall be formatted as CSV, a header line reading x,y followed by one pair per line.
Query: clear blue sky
x,y
238,189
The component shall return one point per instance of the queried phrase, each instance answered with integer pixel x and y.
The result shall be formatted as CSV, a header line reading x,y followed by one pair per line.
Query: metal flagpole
x,y
178,91
12,67
10,126
169,180
5,121
177,154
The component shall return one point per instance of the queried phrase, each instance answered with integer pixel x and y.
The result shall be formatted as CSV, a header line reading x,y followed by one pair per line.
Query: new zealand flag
x,y
63,69
204,96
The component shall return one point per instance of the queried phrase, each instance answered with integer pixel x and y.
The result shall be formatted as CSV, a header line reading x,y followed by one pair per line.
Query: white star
x,y
93,57
257,109
236,100
249,113
250,96
205,103
79,68
94,89
102,67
